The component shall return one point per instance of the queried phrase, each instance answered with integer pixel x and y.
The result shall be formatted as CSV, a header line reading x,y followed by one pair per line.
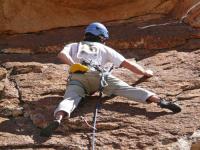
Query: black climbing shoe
x,y
48,131
169,105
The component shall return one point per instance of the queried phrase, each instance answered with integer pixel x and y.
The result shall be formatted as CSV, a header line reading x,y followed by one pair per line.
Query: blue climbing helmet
x,y
97,29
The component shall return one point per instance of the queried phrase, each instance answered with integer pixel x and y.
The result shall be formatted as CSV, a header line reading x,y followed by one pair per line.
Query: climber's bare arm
x,y
136,68
65,58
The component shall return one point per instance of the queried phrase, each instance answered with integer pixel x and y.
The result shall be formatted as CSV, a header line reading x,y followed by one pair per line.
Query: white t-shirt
x,y
94,52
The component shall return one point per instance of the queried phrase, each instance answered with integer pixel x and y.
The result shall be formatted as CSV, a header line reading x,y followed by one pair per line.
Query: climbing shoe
x,y
48,131
169,105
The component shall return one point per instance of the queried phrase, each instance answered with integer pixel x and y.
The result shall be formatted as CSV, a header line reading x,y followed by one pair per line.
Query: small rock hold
x,y
17,112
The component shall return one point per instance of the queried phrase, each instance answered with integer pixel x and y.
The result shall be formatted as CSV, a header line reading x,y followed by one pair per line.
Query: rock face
x,y
35,89
37,15
188,11
33,82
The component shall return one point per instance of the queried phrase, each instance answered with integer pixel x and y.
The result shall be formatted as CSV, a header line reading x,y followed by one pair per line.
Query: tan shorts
x,y
91,82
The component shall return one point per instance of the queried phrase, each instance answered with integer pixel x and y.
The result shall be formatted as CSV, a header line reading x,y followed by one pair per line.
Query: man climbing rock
x,y
87,75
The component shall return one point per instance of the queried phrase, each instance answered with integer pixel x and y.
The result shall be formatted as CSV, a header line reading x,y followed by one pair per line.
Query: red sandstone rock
x,y
31,86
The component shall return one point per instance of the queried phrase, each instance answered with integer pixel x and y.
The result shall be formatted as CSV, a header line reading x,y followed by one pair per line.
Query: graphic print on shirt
x,y
89,53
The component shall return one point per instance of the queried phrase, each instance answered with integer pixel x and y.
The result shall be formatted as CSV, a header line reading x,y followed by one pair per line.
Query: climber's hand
x,y
148,73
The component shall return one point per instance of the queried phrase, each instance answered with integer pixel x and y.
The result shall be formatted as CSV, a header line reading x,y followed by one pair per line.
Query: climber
x,y
87,74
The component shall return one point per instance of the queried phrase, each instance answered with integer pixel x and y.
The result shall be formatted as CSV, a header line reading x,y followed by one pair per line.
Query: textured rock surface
x,y
123,36
122,124
188,11
32,81
30,16
36,15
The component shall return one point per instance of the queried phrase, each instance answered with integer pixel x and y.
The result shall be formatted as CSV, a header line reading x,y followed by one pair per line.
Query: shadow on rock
x,y
133,111
40,113
88,106
21,126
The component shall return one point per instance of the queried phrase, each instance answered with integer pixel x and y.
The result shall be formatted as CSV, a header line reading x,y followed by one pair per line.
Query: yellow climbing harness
x,y
78,68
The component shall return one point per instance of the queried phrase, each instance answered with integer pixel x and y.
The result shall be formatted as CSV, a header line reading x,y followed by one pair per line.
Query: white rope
x,y
86,122
189,10
161,24
174,22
